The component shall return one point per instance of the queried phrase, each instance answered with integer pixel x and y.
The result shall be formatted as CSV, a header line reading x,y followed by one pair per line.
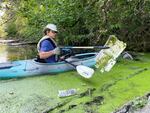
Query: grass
x,y
126,81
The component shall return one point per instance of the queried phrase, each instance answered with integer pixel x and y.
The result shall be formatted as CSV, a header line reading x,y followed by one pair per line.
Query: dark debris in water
x,y
93,105
137,72
62,111
96,100
106,86
72,106
58,105
88,92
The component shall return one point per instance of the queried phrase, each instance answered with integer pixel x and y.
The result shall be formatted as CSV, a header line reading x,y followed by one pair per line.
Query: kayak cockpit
x,y
75,58
84,55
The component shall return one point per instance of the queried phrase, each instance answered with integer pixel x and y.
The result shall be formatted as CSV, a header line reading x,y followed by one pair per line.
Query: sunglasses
x,y
54,32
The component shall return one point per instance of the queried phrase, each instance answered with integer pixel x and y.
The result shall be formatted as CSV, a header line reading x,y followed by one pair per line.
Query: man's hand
x,y
56,51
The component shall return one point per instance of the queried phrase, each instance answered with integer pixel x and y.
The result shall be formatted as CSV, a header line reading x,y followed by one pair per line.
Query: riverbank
x,y
138,105
103,93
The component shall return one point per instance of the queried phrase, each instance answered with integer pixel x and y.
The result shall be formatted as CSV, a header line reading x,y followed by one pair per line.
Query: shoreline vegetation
x,y
79,23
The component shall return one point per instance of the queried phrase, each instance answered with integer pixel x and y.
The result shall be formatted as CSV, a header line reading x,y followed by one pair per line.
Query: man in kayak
x,y
47,47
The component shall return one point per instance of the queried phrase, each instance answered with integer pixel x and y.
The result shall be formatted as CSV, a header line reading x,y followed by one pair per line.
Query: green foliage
x,y
84,22
11,29
2,32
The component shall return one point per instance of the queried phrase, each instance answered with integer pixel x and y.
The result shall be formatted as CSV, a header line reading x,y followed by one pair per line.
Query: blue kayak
x,y
24,68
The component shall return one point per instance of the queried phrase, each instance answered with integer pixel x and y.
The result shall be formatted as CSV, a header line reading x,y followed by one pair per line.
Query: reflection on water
x,y
11,53
3,54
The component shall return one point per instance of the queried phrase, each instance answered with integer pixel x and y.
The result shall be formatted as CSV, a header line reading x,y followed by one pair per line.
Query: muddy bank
x,y
139,105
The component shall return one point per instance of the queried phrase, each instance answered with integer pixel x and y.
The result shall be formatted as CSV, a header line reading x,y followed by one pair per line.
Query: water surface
x,y
11,53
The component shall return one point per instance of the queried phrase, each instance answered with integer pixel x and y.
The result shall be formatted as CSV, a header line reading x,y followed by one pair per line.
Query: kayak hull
x,y
24,68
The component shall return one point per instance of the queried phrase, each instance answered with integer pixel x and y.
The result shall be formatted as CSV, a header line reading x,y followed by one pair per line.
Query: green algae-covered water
x,y
103,93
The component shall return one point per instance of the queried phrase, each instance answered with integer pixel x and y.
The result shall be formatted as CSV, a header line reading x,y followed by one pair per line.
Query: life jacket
x,y
38,59
46,38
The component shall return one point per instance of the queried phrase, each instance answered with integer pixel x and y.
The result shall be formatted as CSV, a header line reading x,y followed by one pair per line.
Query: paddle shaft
x,y
82,70
71,63
84,47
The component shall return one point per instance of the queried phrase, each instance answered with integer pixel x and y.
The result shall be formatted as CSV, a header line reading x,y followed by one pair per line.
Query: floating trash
x,y
65,93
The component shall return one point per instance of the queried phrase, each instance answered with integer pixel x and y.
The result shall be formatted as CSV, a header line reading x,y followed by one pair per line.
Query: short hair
x,y
46,30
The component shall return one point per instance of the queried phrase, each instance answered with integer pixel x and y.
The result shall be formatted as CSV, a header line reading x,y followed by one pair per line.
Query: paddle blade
x,y
85,71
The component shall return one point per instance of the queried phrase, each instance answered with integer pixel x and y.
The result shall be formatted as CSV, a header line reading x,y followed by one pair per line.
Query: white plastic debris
x,y
110,64
128,56
106,58
65,93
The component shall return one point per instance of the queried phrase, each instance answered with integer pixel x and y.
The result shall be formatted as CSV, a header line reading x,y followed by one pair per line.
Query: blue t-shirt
x,y
46,46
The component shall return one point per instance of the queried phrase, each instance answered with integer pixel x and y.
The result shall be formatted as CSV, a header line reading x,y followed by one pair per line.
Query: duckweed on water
x,y
103,93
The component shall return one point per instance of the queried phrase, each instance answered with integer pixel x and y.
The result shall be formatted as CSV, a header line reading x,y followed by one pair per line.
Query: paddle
x,y
84,47
84,71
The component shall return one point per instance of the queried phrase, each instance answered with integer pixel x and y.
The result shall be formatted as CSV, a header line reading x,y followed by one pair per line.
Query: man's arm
x,y
44,55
